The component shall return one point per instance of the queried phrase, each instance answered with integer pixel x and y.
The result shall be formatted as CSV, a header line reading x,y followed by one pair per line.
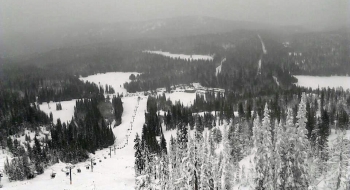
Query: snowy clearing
x,y
115,79
323,82
185,98
65,114
182,56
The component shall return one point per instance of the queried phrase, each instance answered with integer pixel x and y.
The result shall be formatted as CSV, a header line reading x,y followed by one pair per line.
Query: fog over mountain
x,y
38,25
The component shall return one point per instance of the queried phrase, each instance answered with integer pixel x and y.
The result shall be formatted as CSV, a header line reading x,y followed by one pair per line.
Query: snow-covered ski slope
x,y
111,173
262,44
182,56
116,172
218,68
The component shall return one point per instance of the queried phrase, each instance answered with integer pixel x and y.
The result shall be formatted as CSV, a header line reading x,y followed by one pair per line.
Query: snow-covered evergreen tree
x,y
164,172
205,166
300,169
139,158
227,162
263,157
339,162
278,145
287,156
257,133
216,172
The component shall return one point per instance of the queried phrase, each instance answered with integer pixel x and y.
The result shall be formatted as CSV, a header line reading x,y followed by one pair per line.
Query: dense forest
x,y
285,136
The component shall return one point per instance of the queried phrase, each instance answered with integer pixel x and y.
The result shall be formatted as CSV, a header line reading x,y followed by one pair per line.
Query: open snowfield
x,y
65,114
182,56
115,79
185,98
314,82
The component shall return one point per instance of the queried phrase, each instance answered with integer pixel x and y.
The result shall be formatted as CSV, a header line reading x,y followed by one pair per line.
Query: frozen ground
x,y
182,56
314,81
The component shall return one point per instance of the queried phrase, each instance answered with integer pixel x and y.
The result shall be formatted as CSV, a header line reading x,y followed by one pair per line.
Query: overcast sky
x,y
26,14
30,26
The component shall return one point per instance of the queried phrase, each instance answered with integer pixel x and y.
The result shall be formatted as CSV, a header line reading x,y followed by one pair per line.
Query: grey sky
x,y
34,14
29,26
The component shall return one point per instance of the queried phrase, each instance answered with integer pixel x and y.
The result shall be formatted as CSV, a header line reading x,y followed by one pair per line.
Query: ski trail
x,y
264,52
218,69
263,45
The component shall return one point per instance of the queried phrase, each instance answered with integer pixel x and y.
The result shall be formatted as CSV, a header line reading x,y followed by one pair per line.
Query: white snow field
x,y
65,114
182,56
323,82
187,99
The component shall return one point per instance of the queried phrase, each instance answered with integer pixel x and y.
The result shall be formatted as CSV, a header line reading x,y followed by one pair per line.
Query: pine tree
x,y
277,152
339,162
164,172
38,159
301,176
227,163
263,157
139,158
288,155
205,167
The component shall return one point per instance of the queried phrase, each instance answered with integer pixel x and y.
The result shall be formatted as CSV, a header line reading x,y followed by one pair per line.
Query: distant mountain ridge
x,y
45,39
